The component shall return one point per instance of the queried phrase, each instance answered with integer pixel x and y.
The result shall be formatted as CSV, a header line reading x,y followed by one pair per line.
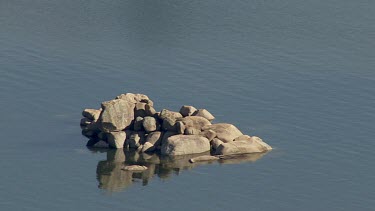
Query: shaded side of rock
x,y
91,114
187,110
116,139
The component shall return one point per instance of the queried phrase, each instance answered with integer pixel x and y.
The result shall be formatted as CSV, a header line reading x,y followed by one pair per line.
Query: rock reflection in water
x,y
112,178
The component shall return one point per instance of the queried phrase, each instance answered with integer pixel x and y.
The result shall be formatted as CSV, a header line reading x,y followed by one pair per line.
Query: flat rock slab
x,y
203,158
242,147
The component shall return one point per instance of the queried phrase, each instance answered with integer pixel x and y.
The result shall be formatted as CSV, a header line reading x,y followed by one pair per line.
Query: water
x,y
299,74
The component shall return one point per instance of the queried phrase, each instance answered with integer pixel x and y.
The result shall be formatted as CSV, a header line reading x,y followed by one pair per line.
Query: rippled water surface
x,y
299,74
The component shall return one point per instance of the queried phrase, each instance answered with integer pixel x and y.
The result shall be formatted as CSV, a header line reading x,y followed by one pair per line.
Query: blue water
x,y
299,74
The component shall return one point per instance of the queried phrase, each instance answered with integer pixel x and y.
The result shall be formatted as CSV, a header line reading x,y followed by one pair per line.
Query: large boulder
x,y
150,124
224,132
242,147
116,139
185,144
204,113
116,115
196,122
187,110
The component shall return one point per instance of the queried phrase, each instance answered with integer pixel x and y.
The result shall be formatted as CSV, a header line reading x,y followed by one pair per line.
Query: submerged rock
x,y
134,168
203,158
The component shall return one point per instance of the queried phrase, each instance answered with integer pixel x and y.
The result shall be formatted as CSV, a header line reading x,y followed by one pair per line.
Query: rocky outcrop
x,y
131,121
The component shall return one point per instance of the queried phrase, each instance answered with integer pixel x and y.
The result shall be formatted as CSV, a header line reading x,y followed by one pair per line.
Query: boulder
x,y
91,114
150,111
155,138
204,113
171,114
195,122
192,131
85,121
187,110
148,147
101,144
136,139
166,135
215,143
203,158
243,138
116,139
169,124
185,144
150,124
135,98
242,147
116,115
134,168
138,124
209,134
225,132
180,127
140,110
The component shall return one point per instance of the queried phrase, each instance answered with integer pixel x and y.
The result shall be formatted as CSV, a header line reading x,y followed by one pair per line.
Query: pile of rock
x,y
130,121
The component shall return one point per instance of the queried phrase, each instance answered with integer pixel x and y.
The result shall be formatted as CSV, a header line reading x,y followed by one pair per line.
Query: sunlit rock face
x,y
131,121
113,175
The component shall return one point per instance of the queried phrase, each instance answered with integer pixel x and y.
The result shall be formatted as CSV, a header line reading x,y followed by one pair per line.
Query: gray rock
x,y
204,113
192,131
155,138
91,114
187,110
138,124
116,115
185,144
169,124
150,124
225,132
243,138
180,127
134,168
203,158
195,122
135,98
209,134
171,114
101,144
148,147
116,139
215,143
136,139
242,147
150,111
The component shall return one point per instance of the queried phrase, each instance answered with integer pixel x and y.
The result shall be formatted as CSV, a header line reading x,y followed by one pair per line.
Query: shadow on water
x,y
112,178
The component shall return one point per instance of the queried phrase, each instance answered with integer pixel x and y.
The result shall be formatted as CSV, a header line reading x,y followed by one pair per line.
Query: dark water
x,y
299,74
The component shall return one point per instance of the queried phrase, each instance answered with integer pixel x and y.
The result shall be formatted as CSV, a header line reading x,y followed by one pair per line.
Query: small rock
x,y
85,121
192,131
204,113
215,143
171,114
148,147
195,122
91,114
180,127
225,132
140,110
134,168
150,111
203,158
150,124
138,123
187,110
169,124
136,139
209,134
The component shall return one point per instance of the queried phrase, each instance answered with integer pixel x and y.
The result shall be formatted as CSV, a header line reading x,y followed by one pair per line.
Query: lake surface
x,y
299,74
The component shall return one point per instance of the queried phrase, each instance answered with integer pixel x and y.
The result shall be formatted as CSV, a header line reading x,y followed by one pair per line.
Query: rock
x,y
150,111
135,98
136,139
91,114
215,143
209,134
192,131
171,114
187,110
169,124
242,147
116,139
134,168
116,115
138,124
150,124
91,130
102,136
243,138
148,147
203,158
195,122
85,121
185,144
101,144
140,110
225,132
180,127
155,138
92,141
166,135
204,113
